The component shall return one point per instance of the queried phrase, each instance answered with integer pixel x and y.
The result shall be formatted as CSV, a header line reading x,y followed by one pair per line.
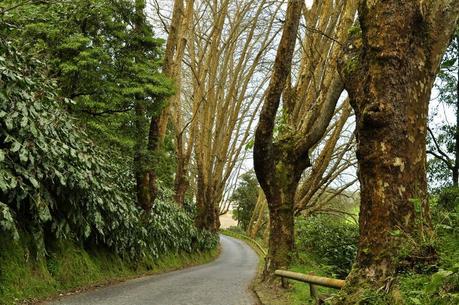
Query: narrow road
x,y
224,281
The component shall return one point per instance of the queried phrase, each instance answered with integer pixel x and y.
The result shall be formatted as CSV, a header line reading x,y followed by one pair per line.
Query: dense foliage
x,y
244,199
331,240
69,79
439,284
52,179
56,185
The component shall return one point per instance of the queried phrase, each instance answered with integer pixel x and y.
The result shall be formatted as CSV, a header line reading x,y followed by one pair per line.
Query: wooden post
x,y
284,282
313,292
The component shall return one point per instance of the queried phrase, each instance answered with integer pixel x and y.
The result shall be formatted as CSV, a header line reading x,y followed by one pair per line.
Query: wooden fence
x,y
312,280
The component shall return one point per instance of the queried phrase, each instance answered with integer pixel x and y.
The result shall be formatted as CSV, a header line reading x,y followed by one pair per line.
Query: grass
x,y
71,268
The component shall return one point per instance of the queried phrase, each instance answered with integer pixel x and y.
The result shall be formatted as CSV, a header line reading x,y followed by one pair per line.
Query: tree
x,y
389,73
443,142
229,43
177,40
109,67
244,199
281,154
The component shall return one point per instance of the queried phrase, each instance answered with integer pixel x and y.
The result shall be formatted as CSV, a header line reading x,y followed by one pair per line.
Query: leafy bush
x,y
52,180
55,185
168,220
448,199
332,241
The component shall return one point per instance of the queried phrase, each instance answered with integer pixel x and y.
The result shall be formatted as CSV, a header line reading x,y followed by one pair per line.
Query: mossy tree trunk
x,y
308,106
389,88
281,203
273,171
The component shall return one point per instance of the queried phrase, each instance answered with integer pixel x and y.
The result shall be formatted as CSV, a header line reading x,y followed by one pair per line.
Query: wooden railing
x,y
312,280
256,245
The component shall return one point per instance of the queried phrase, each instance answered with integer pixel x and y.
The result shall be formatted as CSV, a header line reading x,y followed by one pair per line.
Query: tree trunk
x,y
208,213
456,148
181,182
389,86
258,215
281,228
275,172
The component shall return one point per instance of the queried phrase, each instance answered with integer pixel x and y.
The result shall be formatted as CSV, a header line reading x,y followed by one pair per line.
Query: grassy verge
x,y
70,268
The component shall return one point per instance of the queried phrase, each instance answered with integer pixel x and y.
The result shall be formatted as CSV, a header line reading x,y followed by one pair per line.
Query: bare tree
x,y
308,107
227,44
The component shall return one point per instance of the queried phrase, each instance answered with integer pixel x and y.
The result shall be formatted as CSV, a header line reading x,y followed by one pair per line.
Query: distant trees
x,y
244,199
389,80
227,44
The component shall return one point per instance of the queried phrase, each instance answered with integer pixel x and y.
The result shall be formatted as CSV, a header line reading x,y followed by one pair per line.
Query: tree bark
x,y
389,83
144,179
456,138
275,172
208,214
281,215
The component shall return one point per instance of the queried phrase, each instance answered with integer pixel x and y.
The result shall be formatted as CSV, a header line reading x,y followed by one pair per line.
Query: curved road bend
x,y
224,281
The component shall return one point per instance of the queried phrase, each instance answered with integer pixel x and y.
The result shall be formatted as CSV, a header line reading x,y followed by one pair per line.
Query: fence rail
x,y
312,280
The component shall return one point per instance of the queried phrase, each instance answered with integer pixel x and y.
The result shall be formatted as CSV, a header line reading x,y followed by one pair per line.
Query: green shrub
x,y
168,220
53,182
331,240
448,199
55,185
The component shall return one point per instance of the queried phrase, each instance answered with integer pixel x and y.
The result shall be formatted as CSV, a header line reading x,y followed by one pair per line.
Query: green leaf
x,y
9,123
23,155
34,182
448,63
15,147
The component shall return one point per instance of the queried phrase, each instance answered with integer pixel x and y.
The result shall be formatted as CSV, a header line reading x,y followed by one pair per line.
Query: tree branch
x,y
445,157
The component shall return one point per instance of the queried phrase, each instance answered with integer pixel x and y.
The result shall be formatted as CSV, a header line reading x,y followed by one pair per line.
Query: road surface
x,y
224,281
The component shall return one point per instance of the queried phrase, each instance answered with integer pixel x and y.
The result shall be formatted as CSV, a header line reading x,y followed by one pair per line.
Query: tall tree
x,y
181,24
229,43
389,81
147,138
281,154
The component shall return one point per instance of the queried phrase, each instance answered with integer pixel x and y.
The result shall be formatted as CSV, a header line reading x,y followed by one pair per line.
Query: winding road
x,y
224,281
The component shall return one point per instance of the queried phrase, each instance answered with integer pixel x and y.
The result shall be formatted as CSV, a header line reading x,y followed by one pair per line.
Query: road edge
x,y
211,256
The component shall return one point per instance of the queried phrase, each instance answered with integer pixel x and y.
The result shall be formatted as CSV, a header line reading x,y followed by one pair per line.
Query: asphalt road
x,y
224,281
